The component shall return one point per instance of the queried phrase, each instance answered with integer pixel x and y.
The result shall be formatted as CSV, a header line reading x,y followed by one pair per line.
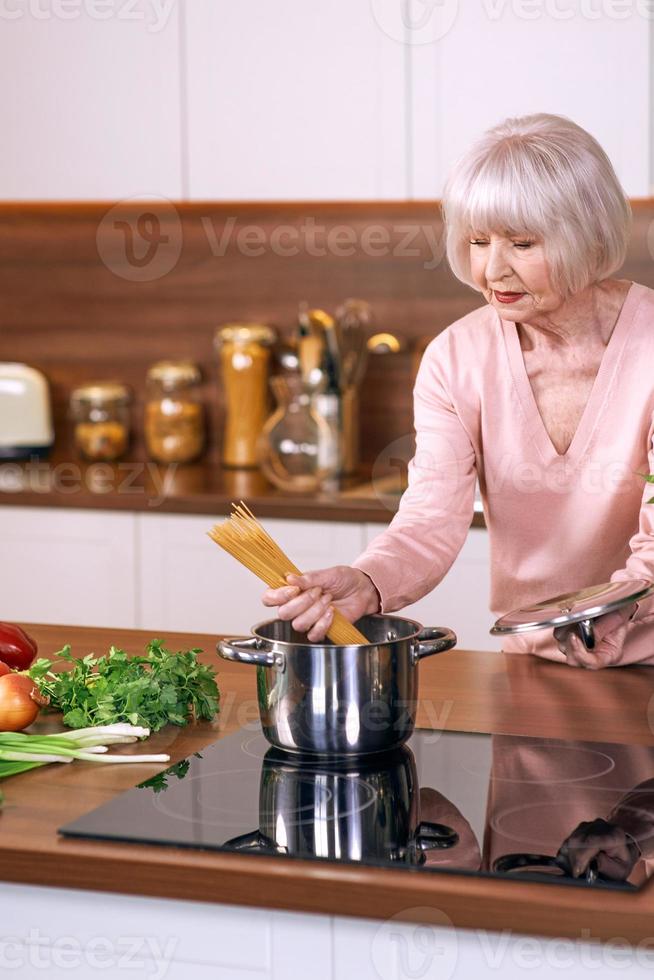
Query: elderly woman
x,y
544,394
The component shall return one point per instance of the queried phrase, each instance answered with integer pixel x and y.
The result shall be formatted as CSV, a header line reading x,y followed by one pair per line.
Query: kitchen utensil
x,y
579,608
325,324
287,358
335,699
311,356
354,318
25,412
355,810
385,343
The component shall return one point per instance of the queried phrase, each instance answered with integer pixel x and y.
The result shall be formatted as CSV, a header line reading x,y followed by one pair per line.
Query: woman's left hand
x,y
614,851
610,631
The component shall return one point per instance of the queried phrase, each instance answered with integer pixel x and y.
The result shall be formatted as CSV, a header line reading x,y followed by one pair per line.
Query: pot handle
x,y
587,633
255,842
249,650
431,836
433,639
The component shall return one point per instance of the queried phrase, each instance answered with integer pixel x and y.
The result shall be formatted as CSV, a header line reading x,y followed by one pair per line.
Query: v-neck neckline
x,y
599,391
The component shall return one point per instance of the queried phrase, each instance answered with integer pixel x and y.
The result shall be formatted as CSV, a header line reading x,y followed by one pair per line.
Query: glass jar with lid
x,y
174,415
244,350
100,415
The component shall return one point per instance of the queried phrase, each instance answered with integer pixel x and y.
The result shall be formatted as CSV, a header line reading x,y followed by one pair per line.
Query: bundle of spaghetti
x,y
243,537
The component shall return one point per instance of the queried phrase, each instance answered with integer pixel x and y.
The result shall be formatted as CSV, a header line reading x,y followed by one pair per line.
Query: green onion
x,y
20,752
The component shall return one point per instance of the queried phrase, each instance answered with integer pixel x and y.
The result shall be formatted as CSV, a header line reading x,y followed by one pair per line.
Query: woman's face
x,y
512,273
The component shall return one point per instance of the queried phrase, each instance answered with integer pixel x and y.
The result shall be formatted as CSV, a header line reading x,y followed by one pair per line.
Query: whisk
x,y
243,537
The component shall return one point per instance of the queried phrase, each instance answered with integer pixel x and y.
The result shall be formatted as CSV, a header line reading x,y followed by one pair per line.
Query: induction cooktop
x,y
560,812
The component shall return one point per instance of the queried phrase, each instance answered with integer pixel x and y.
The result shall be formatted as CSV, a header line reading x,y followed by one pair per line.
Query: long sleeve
x,y
415,552
640,563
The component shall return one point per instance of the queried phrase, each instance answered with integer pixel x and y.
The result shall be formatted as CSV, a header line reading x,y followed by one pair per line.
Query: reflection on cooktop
x,y
453,802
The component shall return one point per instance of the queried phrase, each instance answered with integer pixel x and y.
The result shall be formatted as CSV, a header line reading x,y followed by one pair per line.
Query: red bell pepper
x,y
17,648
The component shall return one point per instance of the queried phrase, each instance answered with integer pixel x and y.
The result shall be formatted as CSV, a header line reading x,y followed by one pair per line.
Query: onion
x,y
20,700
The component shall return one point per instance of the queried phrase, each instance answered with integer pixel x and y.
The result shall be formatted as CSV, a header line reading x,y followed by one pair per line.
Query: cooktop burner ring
x,y
322,797
558,780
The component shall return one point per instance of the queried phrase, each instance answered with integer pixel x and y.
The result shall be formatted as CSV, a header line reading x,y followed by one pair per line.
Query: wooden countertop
x,y
200,488
470,691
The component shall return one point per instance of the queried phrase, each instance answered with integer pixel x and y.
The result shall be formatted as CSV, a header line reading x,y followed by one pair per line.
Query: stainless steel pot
x,y
354,810
323,699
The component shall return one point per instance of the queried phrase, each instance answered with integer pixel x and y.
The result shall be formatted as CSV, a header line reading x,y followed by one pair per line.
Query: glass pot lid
x,y
574,607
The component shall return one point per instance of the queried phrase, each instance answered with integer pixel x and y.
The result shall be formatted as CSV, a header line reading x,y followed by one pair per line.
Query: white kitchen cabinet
x,y
189,583
69,933
293,100
462,599
67,566
437,950
475,63
92,99
65,933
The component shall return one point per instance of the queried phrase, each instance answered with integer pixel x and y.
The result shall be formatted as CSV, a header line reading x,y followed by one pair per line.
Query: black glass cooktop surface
x,y
579,813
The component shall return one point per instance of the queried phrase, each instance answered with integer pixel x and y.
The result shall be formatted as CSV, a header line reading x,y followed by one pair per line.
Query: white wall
x,y
284,99
90,108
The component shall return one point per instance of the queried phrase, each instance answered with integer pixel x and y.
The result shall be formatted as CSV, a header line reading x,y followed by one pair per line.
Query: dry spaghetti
x,y
243,537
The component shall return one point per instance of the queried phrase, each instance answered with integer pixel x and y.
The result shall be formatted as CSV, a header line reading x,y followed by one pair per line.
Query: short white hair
x,y
540,175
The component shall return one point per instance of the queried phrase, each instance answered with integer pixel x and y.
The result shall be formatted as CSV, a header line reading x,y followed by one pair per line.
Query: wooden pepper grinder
x,y
244,350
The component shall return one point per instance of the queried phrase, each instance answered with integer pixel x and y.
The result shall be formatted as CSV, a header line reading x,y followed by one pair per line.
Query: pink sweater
x,y
556,522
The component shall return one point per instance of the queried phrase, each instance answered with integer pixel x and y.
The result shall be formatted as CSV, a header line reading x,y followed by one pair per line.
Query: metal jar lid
x,y
173,374
245,333
100,393
574,607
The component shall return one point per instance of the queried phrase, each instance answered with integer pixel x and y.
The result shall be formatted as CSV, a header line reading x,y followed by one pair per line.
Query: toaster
x,y
25,412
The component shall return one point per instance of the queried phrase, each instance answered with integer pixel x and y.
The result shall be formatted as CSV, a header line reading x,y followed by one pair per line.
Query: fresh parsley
x,y
154,690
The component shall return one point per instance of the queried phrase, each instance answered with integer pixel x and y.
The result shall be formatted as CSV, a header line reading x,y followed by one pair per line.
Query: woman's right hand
x,y
309,599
